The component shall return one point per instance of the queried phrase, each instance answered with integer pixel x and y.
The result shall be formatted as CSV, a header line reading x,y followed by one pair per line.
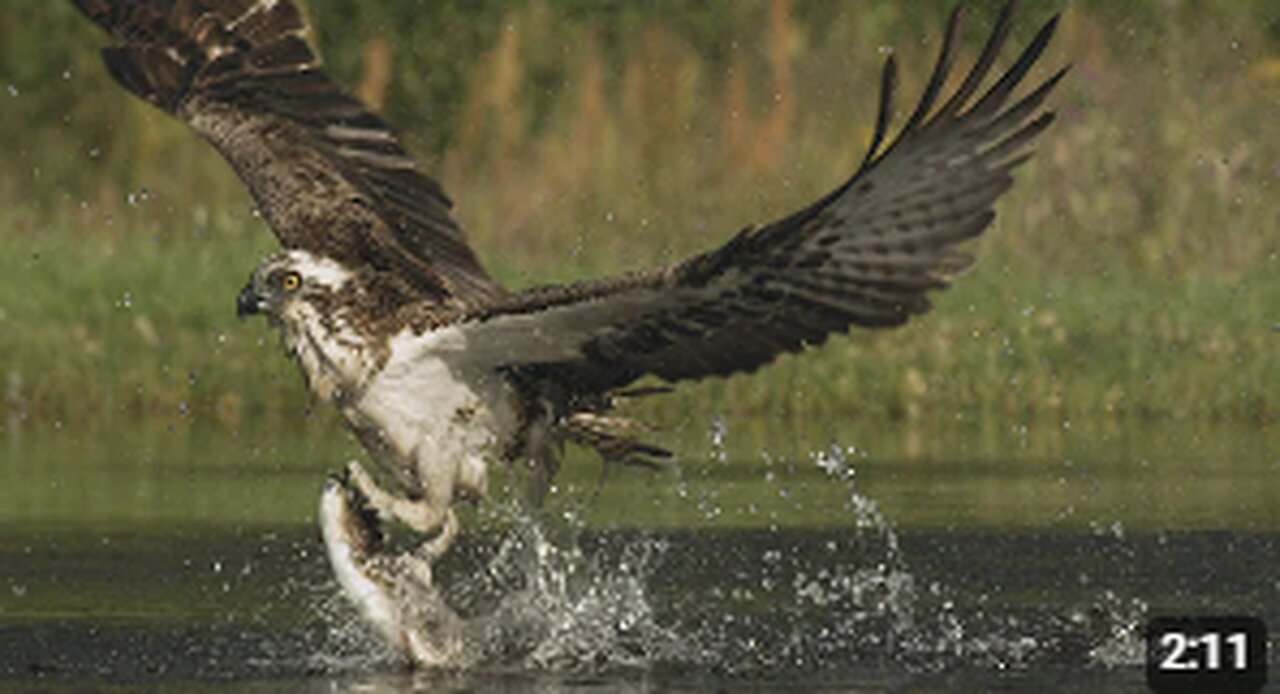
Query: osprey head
x,y
287,278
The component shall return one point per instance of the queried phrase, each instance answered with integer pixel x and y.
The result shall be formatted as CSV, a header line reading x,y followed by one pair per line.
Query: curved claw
x,y
427,515
433,549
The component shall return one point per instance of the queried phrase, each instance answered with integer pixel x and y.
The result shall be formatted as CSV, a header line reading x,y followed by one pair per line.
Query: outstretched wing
x,y
864,255
330,176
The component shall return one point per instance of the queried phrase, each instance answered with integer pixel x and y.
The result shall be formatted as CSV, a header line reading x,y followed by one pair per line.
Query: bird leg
x,y
431,513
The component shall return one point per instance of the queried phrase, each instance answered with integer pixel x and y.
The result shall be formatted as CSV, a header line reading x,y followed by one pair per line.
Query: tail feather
x,y
614,439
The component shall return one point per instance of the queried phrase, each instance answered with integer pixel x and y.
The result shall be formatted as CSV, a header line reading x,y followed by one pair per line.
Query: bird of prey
x,y
438,369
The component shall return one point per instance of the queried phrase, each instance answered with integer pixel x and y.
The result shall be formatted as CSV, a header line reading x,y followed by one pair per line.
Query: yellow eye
x,y
291,282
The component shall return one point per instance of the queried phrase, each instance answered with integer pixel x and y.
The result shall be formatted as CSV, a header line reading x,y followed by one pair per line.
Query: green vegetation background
x,y
1130,274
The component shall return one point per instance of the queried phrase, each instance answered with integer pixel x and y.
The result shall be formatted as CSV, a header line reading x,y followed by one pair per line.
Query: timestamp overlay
x,y
1206,653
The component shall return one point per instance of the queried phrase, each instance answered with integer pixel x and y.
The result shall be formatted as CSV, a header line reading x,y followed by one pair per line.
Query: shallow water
x,y
854,559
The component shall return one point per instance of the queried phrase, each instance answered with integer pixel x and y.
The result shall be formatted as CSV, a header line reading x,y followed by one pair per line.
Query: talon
x,y
359,479
435,548
418,569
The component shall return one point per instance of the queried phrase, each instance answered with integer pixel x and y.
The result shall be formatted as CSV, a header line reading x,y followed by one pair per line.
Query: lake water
x,y
855,557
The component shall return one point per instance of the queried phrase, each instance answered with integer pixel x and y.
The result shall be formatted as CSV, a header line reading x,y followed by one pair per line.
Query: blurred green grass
x,y
1129,275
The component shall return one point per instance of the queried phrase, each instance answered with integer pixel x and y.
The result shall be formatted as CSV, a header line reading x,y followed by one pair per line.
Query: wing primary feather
x,y
1019,139
1018,112
888,84
243,75
983,65
995,97
867,254
946,57
1011,165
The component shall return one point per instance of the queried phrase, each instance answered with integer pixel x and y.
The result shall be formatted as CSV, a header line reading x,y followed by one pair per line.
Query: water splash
x,y
539,597
718,434
533,603
575,611
1118,622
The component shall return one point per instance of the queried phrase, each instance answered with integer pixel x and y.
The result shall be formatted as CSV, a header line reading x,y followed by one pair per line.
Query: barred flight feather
x,y
330,176
864,255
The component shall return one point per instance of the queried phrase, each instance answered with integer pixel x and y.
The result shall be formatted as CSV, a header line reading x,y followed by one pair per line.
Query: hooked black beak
x,y
248,302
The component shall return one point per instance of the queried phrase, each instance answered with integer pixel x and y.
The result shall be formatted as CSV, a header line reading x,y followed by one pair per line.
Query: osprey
x,y
438,369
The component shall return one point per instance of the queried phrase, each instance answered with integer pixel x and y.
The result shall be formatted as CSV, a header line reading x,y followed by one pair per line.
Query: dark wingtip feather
x,y
996,96
983,65
96,10
126,66
1037,97
1019,140
941,69
888,84
1023,109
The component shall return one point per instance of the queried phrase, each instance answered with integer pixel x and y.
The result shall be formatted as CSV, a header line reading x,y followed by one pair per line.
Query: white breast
x,y
429,407
336,363
428,414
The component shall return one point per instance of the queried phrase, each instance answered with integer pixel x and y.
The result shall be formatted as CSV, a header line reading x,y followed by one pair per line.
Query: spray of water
x,y
556,599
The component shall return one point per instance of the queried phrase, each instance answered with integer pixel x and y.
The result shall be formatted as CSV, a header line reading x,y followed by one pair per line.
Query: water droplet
x,y
140,196
719,435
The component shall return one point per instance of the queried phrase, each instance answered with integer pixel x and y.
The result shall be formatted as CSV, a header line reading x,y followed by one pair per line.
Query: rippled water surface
x,y
853,558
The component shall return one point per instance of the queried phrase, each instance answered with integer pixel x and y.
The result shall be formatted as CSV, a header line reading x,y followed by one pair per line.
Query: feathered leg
x,y
432,513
